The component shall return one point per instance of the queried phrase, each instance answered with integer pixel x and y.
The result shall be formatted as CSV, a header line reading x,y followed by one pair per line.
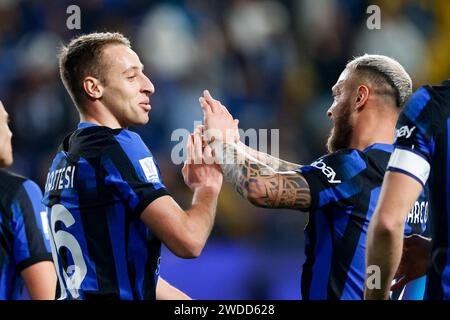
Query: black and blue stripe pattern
x,y
428,111
345,187
101,247
23,232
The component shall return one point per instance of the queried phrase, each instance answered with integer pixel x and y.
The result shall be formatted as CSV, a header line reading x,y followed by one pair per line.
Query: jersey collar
x,y
83,125
380,146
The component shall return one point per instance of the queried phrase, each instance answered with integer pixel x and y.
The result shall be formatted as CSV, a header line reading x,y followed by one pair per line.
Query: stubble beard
x,y
341,133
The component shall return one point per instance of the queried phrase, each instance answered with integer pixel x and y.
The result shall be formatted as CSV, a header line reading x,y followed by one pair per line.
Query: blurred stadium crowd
x,y
273,64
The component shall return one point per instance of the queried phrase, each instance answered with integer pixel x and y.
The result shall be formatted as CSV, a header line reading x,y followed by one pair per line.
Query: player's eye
x,y
131,77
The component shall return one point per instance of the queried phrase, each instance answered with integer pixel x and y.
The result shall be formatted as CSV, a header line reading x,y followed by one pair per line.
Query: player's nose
x,y
147,86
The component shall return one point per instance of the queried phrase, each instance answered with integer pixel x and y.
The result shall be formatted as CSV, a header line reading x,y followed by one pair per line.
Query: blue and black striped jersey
x,y
98,185
344,186
24,238
422,152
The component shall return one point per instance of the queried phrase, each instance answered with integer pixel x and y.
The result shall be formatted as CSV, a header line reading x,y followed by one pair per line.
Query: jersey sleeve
x,y
330,177
30,227
133,172
414,141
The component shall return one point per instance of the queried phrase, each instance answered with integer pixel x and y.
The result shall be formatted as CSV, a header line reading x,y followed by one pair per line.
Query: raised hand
x,y
219,123
415,259
199,170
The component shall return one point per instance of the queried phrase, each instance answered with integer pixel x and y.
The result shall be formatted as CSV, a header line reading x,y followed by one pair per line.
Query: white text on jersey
x,y
418,213
60,179
405,132
326,170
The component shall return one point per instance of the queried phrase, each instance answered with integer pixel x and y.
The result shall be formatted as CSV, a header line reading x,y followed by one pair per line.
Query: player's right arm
x,y
407,174
263,180
132,172
165,291
183,232
386,228
31,243
186,232
416,255
40,280
276,164
259,183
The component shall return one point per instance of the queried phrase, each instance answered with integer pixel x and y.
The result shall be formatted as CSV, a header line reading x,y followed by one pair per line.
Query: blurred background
x,y
272,63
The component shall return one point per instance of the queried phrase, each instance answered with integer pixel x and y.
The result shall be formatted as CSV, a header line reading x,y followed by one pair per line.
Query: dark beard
x,y
341,133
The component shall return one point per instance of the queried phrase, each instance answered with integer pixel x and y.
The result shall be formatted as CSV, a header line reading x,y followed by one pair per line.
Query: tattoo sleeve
x,y
275,163
260,183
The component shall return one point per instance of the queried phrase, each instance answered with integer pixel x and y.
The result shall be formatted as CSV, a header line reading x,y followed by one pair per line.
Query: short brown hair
x,y
82,58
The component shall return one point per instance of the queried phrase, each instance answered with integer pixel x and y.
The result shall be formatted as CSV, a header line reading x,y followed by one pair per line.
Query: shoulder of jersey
x,y
10,182
91,141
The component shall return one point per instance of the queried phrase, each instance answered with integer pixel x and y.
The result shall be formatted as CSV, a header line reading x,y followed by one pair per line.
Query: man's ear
x,y
362,96
93,87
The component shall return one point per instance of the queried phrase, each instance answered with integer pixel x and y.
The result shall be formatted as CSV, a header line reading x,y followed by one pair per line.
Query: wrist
x,y
210,190
220,144
241,144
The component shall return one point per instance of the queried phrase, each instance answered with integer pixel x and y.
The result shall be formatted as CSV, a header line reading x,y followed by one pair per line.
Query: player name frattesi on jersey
x,y
60,179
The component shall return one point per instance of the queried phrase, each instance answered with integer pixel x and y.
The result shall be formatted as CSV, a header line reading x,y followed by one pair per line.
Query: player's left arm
x,y
385,233
31,244
165,291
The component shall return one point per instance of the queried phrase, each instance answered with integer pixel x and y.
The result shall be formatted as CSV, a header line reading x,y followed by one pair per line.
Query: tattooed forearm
x,y
273,162
277,164
260,183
